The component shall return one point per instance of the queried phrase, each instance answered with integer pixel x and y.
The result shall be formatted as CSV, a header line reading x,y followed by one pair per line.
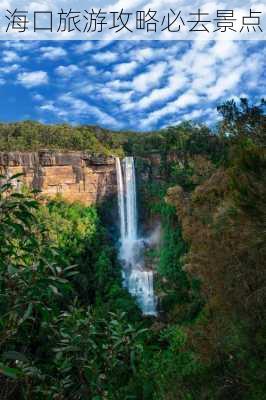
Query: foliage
x,y
51,256
30,135
175,366
68,329
223,221
180,296
243,122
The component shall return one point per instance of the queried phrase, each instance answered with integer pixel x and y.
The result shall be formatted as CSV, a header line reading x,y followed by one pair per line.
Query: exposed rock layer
x,y
76,176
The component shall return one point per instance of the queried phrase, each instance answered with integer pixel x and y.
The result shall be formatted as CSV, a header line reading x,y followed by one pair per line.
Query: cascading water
x,y
121,200
137,280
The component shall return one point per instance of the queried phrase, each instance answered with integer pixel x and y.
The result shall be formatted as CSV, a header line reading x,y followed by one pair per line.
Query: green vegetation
x,y
33,136
68,330
63,332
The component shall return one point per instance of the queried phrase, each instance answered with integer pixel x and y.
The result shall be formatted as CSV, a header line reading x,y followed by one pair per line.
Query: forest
x,y
68,328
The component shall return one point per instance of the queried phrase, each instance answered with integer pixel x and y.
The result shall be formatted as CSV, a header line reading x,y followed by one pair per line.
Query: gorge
x,y
92,179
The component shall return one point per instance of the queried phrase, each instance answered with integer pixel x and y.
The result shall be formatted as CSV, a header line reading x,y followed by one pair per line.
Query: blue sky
x,y
136,85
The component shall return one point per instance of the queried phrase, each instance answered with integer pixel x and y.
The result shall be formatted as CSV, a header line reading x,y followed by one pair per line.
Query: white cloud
x,y
21,45
186,99
192,116
118,84
78,105
143,54
149,79
92,70
38,97
88,45
105,57
81,108
125,68
224,84
224,49
50,106
150,54
53,53
195,114
174,83
112,95
84,47
33,79
10,56
7,69
67,71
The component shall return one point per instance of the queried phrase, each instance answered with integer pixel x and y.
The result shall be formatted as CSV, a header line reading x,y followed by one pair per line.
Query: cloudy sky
x,y
126,84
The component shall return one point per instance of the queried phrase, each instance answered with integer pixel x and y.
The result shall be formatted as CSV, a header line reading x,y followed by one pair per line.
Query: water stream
x,y
137,279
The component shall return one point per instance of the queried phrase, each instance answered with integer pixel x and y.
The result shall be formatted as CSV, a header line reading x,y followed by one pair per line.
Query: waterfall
x,y
121,200
137,280
131,202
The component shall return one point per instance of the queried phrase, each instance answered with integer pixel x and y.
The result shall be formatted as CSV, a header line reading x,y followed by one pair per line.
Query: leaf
x,y
12,270
71,267
27,314
19,174
69,274
54,289
5,187
17,195
32,203
9,372
57,279
18,228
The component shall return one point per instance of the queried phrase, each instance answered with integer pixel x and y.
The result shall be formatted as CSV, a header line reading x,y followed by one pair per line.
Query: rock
x,y
77,176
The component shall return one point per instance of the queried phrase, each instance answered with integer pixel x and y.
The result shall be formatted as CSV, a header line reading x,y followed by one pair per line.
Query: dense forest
x,y
68,328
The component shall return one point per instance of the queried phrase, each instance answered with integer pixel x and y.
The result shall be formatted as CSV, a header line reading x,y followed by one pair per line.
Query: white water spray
x,y
121,200
137,280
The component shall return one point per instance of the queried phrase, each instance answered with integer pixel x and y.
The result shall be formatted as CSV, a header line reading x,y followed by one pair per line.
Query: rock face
x,y
76,176
150,167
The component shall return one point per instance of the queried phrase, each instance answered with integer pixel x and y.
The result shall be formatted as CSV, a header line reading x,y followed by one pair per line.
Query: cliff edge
x,y
76,176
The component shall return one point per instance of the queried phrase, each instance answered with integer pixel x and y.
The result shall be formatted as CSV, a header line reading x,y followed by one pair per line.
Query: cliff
x,y
76,176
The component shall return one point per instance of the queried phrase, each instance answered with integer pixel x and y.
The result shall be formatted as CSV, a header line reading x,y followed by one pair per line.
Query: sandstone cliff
x,y
76,176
